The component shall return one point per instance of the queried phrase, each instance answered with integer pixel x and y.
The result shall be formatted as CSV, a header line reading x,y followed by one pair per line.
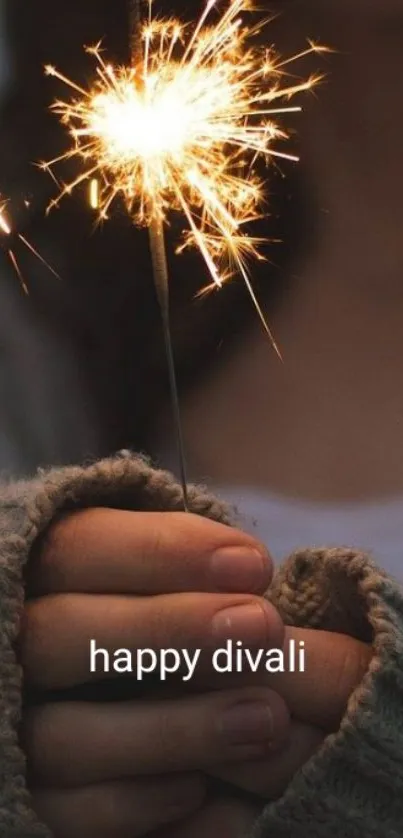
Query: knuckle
x,y
41,638
183,797
52,550
171,739
42,737
353,665
158,537
55,538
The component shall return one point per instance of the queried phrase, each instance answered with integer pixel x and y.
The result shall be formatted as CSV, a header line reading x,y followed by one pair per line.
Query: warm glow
x,y
94,194
6,228
182,129
4,223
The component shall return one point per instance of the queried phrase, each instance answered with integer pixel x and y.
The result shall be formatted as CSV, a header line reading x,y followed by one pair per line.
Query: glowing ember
x,y
8,245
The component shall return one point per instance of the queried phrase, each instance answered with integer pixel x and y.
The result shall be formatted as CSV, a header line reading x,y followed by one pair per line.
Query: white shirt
x,y
285,525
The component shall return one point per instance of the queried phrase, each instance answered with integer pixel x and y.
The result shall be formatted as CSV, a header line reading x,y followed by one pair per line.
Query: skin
x,y
135,767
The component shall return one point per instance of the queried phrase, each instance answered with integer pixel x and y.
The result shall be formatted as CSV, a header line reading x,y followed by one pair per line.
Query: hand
x,y
317,700
106,769
227,816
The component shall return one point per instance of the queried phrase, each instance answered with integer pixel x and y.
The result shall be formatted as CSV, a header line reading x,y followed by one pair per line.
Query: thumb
x,y
334,666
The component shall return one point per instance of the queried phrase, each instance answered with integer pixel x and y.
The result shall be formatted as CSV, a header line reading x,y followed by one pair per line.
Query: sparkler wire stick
x,y
160,269
161,277
180,129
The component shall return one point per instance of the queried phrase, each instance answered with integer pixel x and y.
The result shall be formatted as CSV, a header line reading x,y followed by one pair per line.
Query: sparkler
x,y
180,130
7,242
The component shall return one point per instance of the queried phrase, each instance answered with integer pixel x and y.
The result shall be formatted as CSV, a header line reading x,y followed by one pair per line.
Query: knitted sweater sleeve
x,y
353,786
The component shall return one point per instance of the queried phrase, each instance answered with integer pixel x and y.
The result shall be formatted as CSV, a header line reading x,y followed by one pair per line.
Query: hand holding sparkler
x,y
180,130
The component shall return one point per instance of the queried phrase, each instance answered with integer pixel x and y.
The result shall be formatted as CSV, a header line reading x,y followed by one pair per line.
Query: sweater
x,y
353,786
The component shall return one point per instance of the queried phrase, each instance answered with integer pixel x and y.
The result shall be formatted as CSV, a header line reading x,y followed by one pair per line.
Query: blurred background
x,y
310,450
83,366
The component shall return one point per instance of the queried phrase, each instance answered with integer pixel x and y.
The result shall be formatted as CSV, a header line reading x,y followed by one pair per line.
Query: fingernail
x,y
240,569
249,723
248,623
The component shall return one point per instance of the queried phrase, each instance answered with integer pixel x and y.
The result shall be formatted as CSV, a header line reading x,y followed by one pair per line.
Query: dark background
x,y
103,315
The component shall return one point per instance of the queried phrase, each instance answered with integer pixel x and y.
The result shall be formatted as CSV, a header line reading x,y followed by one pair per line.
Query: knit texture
x,y
353,786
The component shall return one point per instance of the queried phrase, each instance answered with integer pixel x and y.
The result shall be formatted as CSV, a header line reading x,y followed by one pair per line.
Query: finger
x,y
335,665
269,777
226,817
71,639
318,691
78,743
115,551
128,809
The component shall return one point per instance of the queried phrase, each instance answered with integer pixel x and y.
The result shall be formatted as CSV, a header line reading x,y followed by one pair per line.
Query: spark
x,y
182,128
9,236
93,195
4,223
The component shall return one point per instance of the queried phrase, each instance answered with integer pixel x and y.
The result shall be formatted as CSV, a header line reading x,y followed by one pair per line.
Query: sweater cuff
x,y
353,786
27,508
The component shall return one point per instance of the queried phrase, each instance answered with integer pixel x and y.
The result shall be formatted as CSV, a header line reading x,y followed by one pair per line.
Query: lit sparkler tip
x,y
184,134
